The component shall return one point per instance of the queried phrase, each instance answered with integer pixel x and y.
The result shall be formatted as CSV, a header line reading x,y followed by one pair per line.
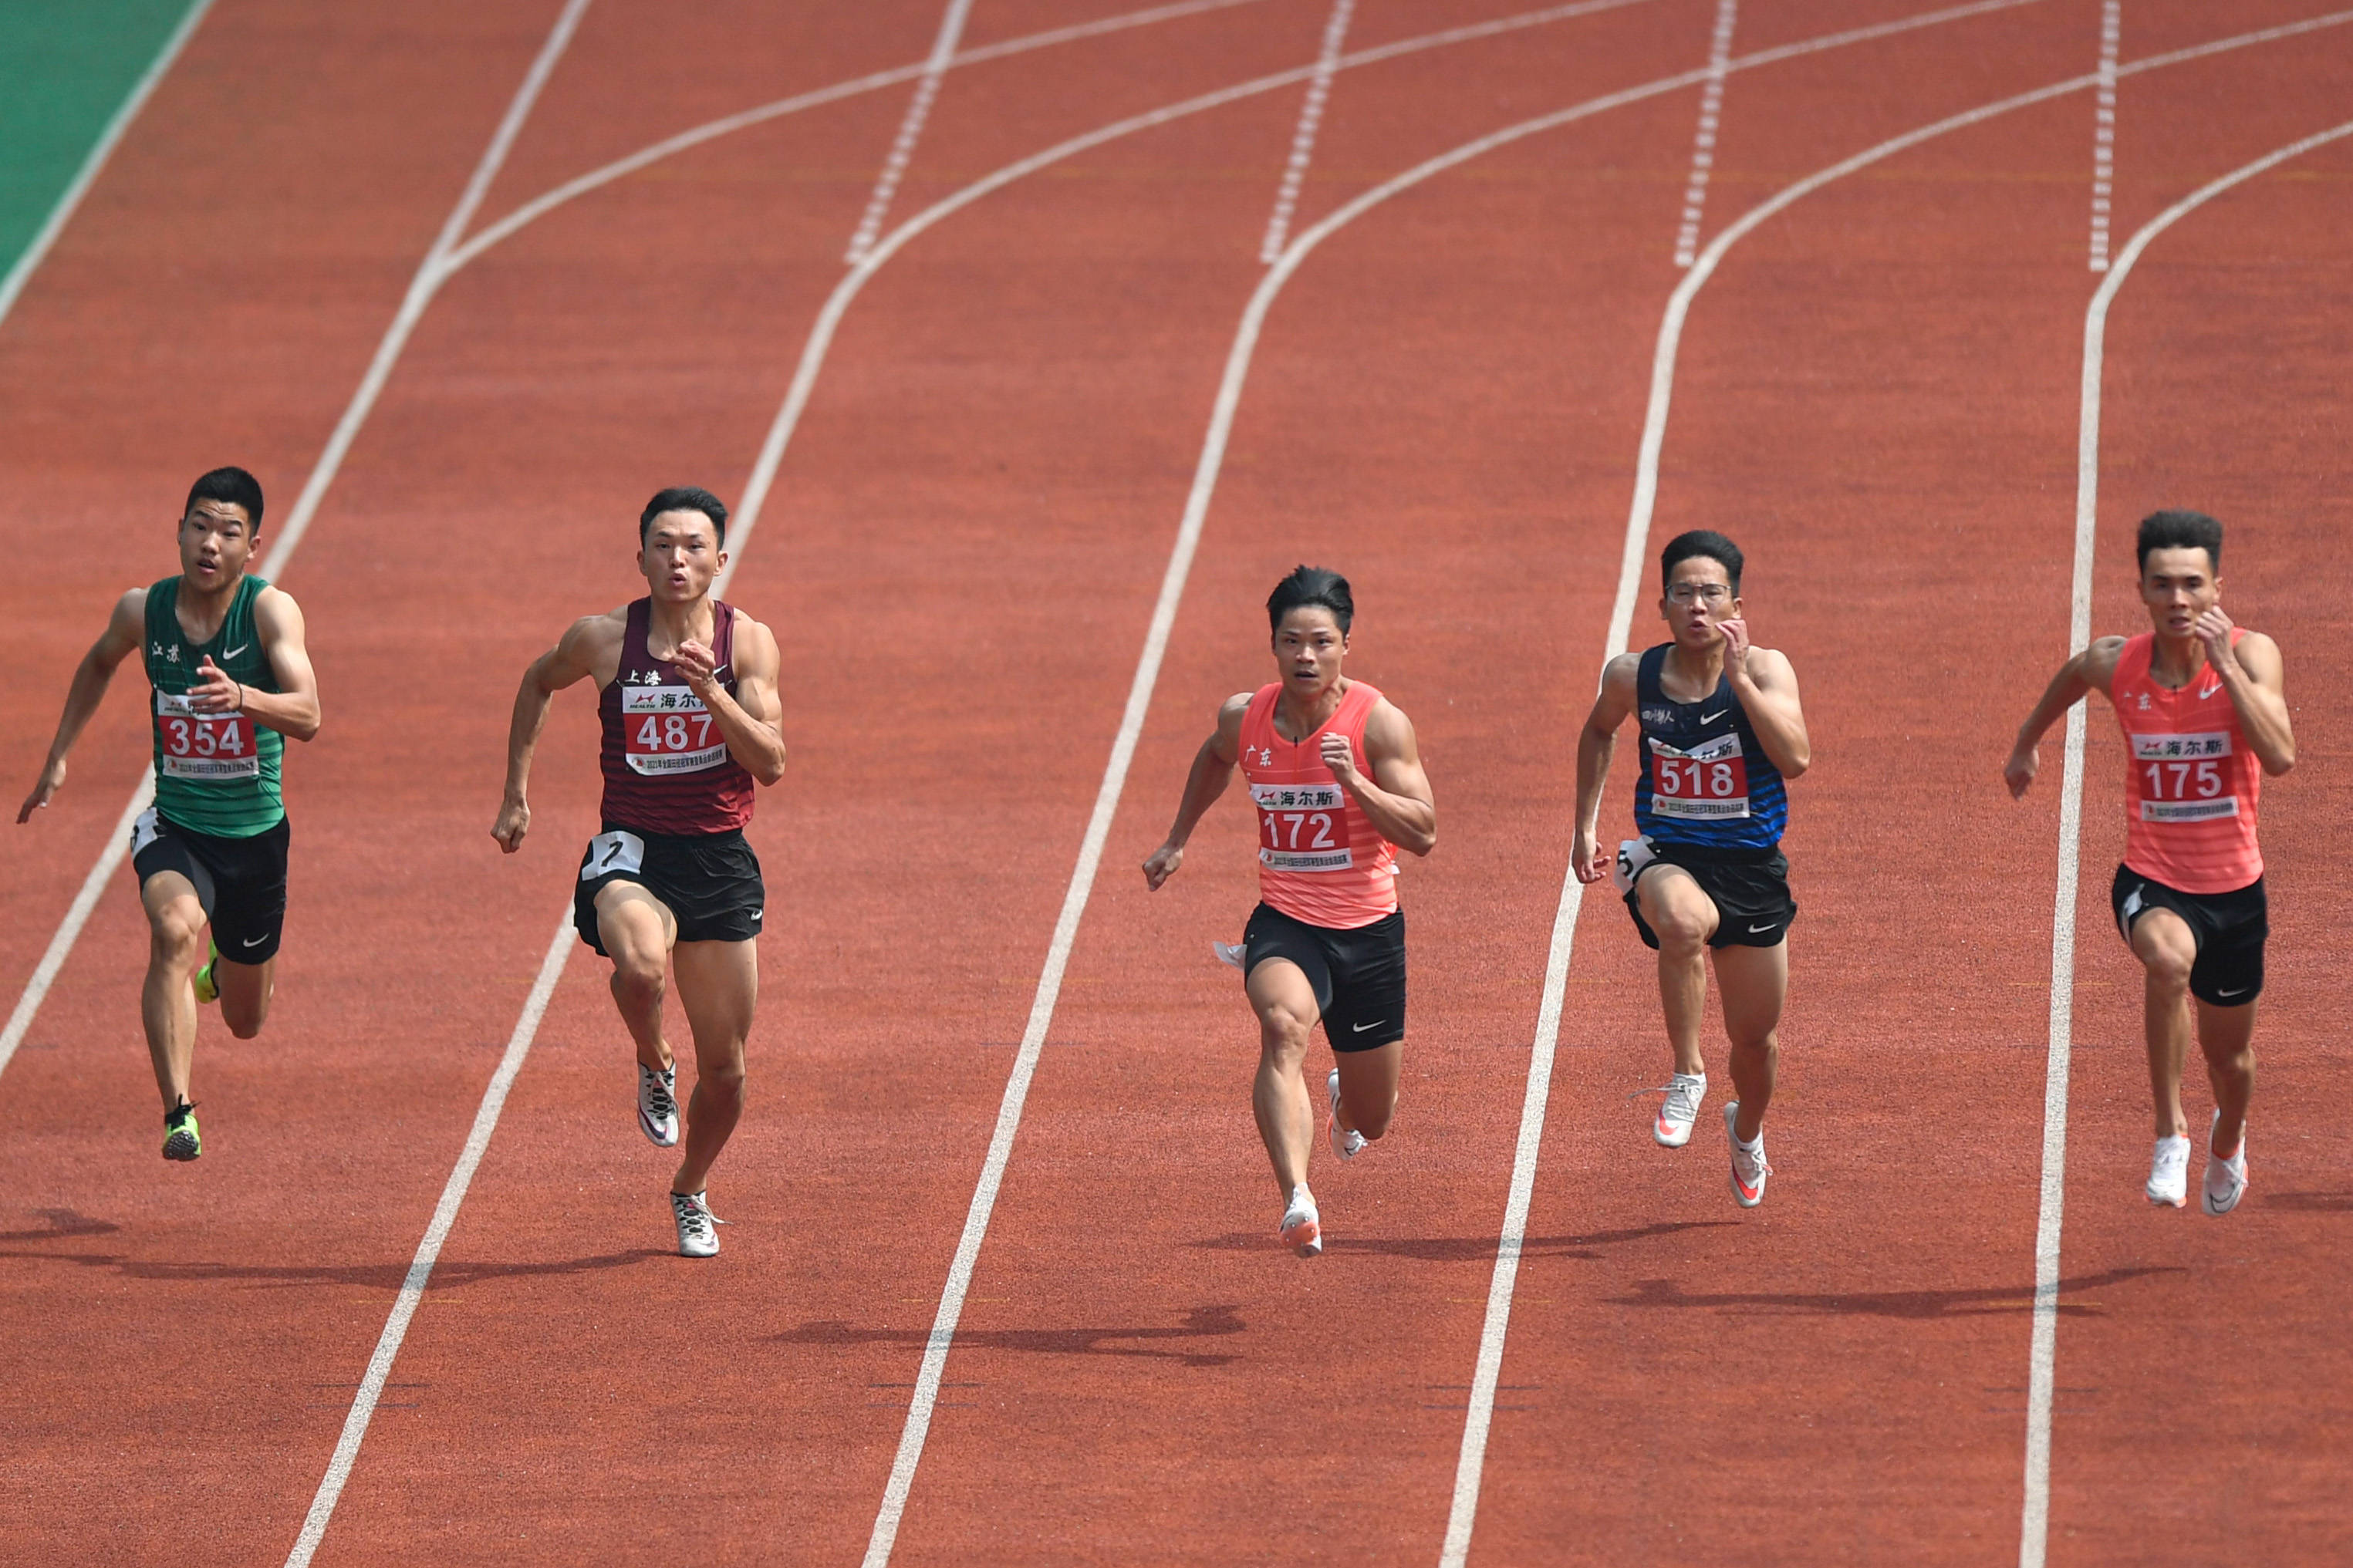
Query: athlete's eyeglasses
x,y
1707,593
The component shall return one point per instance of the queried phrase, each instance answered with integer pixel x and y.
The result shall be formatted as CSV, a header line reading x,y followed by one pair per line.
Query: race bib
x,y
1708,781
1302,827
2182,779
203,747
1633,854
612,852
666,730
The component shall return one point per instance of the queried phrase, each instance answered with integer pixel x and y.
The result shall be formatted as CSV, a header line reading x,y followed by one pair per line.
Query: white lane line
x,y
62,214
428,1251
2042,1358
925,1400
910,129
2103,130
421,287
1637,543
540,206
1302,138
1710,113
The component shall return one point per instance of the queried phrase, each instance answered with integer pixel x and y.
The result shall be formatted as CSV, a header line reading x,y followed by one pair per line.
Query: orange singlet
x,y
2191,785
1320,858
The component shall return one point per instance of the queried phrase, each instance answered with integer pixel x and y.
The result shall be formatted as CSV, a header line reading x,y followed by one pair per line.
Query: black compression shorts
x,y
241,882
1358,975
709,882
2229,927
1750,888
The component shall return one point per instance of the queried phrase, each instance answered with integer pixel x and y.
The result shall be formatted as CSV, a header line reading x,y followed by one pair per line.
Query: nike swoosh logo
x,y
758,912
2208,692
257,942
233,652
2239,992
1769,925
1360,1029
1712,718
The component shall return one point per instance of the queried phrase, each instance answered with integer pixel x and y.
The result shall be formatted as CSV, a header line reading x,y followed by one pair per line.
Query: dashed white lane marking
x,y
2034,1524
37,249
1302,138
1489,1369
1710,114
2103,130
910,129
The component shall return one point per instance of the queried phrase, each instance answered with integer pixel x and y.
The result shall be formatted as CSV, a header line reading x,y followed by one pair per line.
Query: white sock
x,y
1301,1198
1751,1145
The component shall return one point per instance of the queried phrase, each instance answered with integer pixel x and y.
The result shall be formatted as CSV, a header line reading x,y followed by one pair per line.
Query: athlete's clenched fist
x,y
1162,864
1341,758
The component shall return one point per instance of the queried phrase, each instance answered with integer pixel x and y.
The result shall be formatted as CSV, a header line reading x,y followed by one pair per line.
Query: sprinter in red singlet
x,y
2205,717
687,694
1336,777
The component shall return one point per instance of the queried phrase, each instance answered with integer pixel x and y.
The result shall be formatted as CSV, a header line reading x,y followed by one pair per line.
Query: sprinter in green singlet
x,y
223,652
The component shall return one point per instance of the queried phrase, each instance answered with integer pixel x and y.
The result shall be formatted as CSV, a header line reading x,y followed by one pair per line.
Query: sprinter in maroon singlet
x,y
687,695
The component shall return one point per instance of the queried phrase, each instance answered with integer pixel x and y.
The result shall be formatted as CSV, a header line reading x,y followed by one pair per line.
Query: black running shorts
x,y
241,882
1358,975
1750,887
2229,929
710,882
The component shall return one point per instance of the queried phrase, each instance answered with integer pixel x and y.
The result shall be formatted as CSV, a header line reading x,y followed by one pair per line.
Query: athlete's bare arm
x,y
753,719
125,629
2255,676
1395,800
1596,744
1213,769
591,646
293,709
1766,684
2094,669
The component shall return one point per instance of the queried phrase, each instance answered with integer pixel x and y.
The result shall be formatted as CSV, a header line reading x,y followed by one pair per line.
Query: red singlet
x,y
2192,784
1320,858
665,764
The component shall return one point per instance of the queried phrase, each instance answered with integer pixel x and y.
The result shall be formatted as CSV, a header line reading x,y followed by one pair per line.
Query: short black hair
x,y
2181,530
1702,542
684,497
232,486
1310,585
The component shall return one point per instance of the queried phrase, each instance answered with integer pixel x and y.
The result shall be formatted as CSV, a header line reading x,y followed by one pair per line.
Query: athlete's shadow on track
x,y
64,1224
2310,1203
1469,1248
1889,1303
1200,1323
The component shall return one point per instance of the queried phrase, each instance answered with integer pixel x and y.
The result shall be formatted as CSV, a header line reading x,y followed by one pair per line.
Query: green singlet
x,y
215,773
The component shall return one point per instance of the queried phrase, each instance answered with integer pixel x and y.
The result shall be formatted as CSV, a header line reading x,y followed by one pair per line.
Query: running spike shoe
x,y
2226,1179
182,1140
1684,1091
1749,1168
1347,1141
698,1236
1302,1227
207,983
2169,1173
658,1105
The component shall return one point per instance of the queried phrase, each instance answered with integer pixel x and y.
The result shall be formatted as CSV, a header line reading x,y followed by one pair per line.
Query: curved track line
x,y
1638,531
911,129
36,252
943,1333
711,131
2034,1525
421,289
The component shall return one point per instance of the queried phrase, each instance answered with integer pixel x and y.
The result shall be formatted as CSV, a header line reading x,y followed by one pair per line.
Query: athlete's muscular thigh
x,y
1285,1000
633,924
719,986
1674,904
2164,943
1754,982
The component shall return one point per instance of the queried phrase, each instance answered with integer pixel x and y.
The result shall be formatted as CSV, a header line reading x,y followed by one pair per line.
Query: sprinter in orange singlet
x,y
1336,777
2202,704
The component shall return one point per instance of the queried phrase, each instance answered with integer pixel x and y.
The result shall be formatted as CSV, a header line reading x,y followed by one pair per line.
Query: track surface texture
x,y
1005,424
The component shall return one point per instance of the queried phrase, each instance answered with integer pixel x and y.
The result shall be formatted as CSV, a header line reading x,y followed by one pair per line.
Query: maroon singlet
x,y
665,764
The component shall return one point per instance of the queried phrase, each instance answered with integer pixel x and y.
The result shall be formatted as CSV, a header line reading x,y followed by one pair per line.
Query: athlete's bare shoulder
x,y
1622,671
275,613
2097,663
2261,656
756,653
1769,667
